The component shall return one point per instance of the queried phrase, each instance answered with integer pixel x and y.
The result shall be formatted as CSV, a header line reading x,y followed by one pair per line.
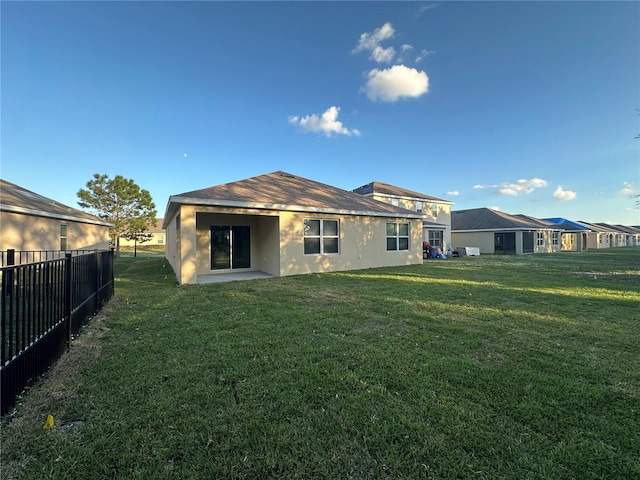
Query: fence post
x,y
98,278
67,296
11,257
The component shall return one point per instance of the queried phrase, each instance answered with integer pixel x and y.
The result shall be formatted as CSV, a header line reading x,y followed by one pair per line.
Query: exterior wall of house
x,y
569,242
277,242
264,239
156,239
547,246
362,244
30,232
597,240
436,212
173,244
483,240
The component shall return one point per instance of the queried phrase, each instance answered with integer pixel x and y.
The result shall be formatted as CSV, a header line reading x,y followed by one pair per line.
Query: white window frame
x,y
436,238
64,238
540,239
322,236
555,238
397,236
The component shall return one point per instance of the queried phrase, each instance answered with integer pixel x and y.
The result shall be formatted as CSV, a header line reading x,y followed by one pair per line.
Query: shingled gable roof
x,y
380,188
16,199
284,191
598,228
490,220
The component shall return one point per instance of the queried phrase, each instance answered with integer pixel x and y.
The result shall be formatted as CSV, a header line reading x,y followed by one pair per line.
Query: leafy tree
x,y
138,235
121,202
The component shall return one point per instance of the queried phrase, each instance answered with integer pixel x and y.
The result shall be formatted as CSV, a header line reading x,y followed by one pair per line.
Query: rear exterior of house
x,y
599,237
282,224
574,236
29,221
495,232
436,212
633,234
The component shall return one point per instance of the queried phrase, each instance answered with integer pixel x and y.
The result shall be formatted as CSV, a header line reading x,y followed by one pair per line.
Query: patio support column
x,y
188,244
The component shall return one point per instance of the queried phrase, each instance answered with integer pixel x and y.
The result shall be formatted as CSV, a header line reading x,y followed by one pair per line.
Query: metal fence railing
x,y
20,257
42,305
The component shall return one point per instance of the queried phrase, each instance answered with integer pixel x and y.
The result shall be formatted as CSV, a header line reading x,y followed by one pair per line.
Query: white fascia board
x,y
418,199
426,224
287,208
40,213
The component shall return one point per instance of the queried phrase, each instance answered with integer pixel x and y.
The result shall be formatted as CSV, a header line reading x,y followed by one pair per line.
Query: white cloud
x,y
423,54
497,209
453,193
424,8
326,123
383,55
563,195
629,188
371,41
519,187
396,82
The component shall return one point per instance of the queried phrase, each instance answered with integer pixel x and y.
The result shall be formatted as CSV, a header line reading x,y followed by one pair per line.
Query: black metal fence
x,y
42,305
20,257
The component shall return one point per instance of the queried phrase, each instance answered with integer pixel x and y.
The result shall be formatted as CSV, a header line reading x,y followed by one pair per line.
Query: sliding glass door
x,y
230,247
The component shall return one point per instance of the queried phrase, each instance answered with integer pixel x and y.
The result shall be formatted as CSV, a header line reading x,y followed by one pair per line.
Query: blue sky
x,y
529,107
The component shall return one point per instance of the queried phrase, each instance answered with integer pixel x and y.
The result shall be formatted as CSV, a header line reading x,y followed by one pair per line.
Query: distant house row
x,y
496,232
282,224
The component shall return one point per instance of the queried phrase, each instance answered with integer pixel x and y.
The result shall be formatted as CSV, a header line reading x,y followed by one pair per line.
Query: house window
x,y
540,239
434,210
435,238
397,236
394,202
63,236
555,238
320,236
419,206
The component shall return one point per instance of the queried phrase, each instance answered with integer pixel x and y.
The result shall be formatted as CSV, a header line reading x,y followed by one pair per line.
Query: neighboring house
x,y
29,221
158,236
436,212
574,236
599,236
621,238
282,224
633,234
500,233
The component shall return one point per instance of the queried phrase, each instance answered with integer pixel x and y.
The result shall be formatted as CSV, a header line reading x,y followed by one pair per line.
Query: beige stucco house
x,y
574,235
157,236
282,224
29,221
495,232
436,212
599,236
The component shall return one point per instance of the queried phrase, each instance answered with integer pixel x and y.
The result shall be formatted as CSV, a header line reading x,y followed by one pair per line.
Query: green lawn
x,y
485,367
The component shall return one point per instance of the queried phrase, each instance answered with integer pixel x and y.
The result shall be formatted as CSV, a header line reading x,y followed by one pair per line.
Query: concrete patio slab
x,y
231,276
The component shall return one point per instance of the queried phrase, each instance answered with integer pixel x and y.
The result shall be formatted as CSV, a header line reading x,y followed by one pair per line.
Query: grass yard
x,y
486,367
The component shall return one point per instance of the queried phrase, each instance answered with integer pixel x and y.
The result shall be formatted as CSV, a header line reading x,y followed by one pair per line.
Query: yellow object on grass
x,y
49,423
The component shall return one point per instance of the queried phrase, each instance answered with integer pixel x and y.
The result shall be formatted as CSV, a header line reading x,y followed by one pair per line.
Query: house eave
x,y
404,197
59,216
174,201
